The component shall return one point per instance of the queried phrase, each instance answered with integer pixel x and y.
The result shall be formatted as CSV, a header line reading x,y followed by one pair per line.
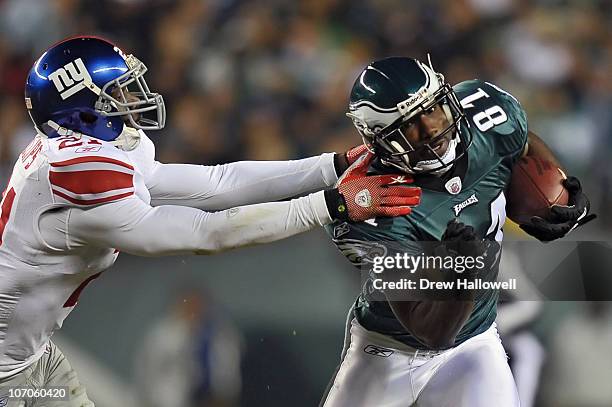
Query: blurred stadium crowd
x,y
269,79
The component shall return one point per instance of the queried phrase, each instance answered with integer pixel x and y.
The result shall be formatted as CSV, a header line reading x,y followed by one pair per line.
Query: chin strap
x,y
128,139
430,166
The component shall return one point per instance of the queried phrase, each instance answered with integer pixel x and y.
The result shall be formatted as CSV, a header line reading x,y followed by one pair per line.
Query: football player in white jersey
x,y
88,187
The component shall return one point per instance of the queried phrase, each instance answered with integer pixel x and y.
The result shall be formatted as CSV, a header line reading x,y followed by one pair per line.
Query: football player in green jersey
x,y
459,144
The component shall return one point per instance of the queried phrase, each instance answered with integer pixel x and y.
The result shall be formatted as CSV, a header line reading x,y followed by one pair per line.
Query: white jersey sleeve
x,y
107,204
132,226
225,186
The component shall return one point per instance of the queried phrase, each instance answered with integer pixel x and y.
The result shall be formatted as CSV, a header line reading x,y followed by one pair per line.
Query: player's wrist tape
x,y
336,205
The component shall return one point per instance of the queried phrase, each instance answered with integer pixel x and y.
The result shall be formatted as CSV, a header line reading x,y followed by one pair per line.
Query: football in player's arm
x,y
459,144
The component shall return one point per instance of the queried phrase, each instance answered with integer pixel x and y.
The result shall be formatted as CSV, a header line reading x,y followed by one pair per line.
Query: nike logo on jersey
x,y
470,201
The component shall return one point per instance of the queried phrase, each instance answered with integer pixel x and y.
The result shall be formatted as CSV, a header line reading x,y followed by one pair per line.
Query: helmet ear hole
x,y
88,118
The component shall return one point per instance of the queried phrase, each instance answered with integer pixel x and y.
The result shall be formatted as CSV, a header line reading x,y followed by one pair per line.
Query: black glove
x,y
461,239
563,219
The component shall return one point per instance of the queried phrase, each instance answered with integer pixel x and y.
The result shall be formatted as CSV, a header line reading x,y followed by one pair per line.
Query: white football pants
x,y
51,370
378,371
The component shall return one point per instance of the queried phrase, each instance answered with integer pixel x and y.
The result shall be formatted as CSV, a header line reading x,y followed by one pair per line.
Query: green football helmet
x,y
388,95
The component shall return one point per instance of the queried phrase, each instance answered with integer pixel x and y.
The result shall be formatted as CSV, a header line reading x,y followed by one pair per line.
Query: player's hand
x,y
358,197
344,160
354,153
461,239
563,218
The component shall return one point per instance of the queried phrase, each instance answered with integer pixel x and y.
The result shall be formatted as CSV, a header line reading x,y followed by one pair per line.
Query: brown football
x,y
536,184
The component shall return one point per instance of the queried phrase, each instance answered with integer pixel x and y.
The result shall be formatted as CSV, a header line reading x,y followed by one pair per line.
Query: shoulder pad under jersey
x,y
85,171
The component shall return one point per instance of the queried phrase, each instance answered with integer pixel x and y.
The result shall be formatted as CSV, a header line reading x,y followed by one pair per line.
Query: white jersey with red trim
x,y
39,287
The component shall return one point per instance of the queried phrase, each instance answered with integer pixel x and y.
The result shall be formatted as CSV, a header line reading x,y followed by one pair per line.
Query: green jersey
x,y
471,192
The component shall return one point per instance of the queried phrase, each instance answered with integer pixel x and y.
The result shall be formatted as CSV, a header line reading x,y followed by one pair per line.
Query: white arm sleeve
x,y
240,183
132,226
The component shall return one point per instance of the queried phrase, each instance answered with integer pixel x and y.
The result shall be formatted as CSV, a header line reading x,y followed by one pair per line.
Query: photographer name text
x,y
459,284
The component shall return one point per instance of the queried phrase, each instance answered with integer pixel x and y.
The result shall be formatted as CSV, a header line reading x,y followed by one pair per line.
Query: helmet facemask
x,y
383,124
394,148
129,96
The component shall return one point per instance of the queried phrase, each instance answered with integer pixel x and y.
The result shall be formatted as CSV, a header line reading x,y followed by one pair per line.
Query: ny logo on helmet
x,y
73,77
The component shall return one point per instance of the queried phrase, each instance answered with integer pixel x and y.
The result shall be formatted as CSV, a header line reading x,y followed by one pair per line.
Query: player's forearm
x,y
536,147
136,228
421,314
265,223
240,183
435,323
